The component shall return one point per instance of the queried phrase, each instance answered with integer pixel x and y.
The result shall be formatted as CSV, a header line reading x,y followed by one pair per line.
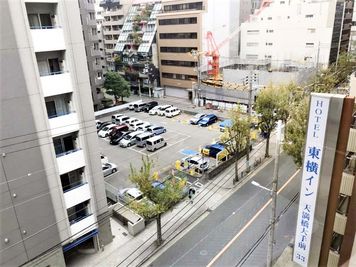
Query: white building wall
x,y
289,32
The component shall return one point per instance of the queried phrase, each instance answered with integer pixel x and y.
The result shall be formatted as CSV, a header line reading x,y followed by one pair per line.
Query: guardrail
x,y
67,152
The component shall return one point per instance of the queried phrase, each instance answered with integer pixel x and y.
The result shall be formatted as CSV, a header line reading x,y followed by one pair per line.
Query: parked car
x,y
156,129
160,185
129,139
118,128
98,123
115,116
108,168
154,110
171,112
197,163
134,124
150,105
162,109
104,132
197,118
207,120
115,139
154,143
143,126
131,107
122,120
103,124
104,159
215,150
225,124
131,120
129,194
139,107
142,138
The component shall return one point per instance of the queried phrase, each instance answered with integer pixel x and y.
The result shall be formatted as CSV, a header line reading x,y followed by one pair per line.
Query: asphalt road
x,y
201,244
180,136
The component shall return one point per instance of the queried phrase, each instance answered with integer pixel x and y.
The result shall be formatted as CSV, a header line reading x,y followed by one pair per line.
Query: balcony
x,y
76,195
351,145
48,39
96,53
70,160
64,124
340,223
56,83
347,183
83,225
333,259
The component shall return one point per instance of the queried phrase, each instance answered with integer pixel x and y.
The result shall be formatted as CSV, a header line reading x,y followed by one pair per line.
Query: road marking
x,y
167,146
249,223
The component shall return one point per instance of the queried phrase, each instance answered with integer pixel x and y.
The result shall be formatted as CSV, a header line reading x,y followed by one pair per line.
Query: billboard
x,y
314,149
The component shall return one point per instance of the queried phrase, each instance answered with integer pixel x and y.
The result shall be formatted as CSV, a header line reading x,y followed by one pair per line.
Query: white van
x,y
142,138
139,107
171,112
155,143
115,117
122,119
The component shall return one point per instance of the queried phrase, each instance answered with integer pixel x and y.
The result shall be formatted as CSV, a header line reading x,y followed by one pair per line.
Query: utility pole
x,y
196,55
249,119
271,240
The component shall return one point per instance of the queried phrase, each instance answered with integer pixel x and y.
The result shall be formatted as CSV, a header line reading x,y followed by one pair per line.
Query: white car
x,y
129,194
129,139
142,125
115,117
197,118
154,110
171,112
131,107
133,125
106,130
195,162
131,120
108,168
162,109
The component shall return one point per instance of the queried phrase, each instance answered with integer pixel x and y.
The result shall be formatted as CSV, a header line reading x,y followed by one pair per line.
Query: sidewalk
x,y
126,250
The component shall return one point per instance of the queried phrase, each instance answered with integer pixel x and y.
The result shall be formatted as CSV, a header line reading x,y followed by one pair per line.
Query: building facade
x,y
92,40
113,13
296,33
53,196
352,46
183,27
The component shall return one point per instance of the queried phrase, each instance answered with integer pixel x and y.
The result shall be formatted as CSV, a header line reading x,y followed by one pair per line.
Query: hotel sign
x,y
314,148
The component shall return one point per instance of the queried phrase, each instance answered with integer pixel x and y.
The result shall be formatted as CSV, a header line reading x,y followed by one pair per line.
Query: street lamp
x,y
273,192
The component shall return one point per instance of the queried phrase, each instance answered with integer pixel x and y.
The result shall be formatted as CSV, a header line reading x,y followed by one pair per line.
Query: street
x,y
232,218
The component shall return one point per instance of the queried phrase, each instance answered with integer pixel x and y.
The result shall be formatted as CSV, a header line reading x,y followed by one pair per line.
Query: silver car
x,y
108,168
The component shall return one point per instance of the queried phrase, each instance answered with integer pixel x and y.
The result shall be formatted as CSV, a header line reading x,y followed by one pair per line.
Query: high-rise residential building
x,y
96,65
183,27
296,33
352,45
114,13
52,190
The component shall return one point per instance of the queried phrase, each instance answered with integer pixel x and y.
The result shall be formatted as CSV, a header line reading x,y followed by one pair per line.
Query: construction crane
x,y
212,53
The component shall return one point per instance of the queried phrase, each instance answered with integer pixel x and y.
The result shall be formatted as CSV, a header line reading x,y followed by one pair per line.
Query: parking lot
x,y
181,137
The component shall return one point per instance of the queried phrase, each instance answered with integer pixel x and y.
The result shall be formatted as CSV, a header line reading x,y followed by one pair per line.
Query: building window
x,y
269,18
182,35
269,44
250,56
99,75
178,63
177,76
282,2
268,56
93,31
269,31
188,6
309,44
311,30
252,44
251,32
91,15
309,16
165,49
178,21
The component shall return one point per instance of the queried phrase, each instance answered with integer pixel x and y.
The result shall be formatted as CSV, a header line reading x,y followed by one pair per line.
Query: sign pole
x,y
271,240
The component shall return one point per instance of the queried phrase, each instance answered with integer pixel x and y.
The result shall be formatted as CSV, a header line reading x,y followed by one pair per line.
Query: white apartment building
x,y
52,189
289,33
352,46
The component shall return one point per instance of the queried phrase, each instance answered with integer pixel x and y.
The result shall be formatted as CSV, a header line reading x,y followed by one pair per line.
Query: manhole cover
x,y
125,234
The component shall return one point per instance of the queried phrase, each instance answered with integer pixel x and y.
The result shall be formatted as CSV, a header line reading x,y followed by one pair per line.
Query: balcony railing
x,y
44,27
82,225
47,73
47,38
59,114
77,195
79,218
56,83
67,152
72,186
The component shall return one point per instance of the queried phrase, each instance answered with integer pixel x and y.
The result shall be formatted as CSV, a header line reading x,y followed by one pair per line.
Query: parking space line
x,y
168,146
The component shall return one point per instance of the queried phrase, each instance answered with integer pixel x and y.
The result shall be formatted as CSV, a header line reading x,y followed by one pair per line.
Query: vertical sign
x,y
318,114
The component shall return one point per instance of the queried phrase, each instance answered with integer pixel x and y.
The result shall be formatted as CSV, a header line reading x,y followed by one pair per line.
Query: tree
x,y
157,199
235,137
116,85
267,106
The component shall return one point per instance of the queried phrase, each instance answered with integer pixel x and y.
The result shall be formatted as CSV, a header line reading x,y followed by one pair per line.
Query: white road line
x,y
166,147
226,247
